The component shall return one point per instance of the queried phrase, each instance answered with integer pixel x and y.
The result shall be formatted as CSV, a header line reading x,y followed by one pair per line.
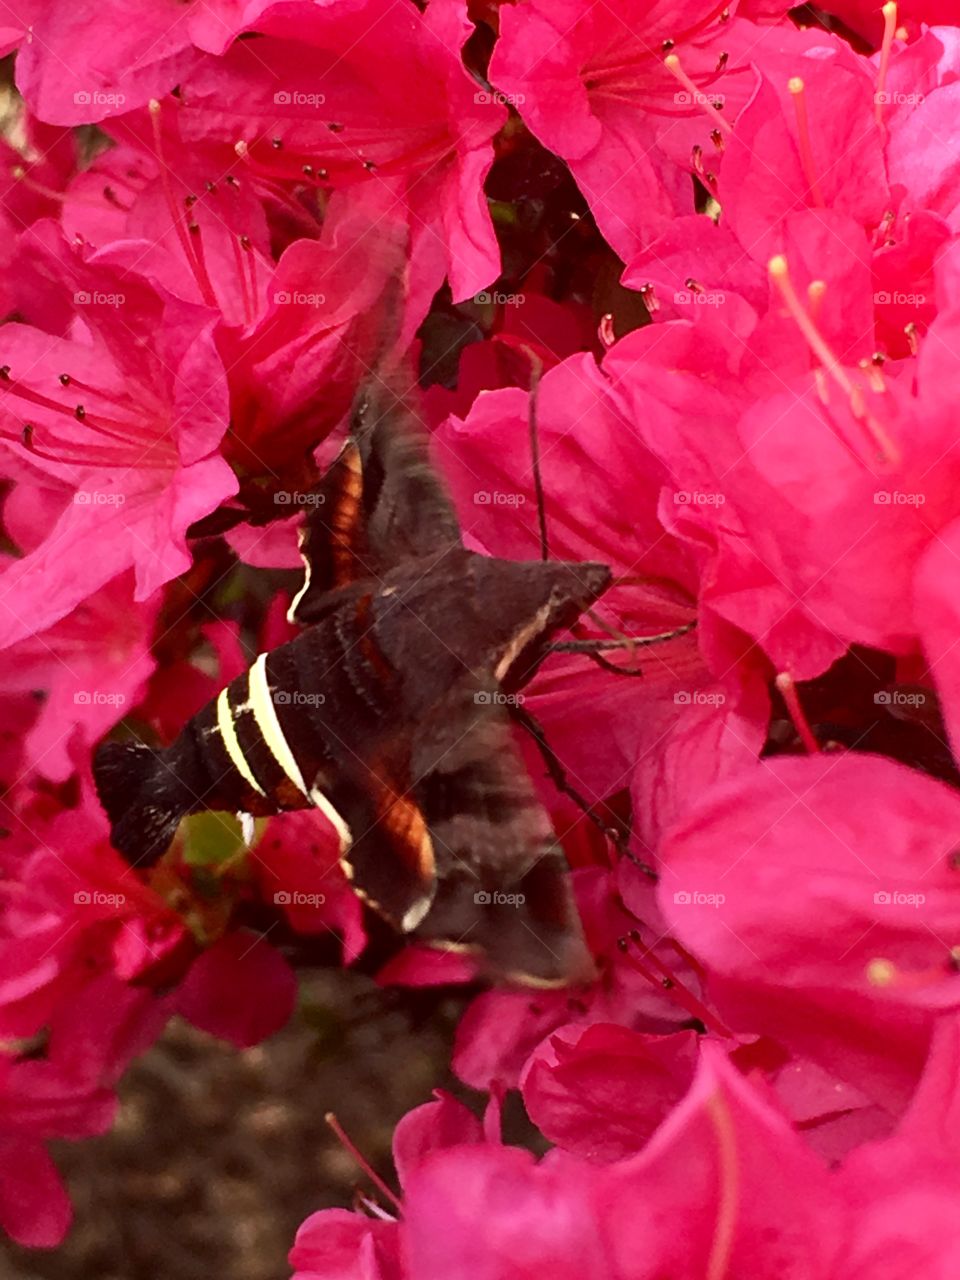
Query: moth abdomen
x,y
144,796
271,727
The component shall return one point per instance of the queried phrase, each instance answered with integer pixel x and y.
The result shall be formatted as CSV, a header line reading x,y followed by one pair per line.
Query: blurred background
x,y
218,1155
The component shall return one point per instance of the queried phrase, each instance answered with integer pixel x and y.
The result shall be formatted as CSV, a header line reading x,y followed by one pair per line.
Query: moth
x,y
388,713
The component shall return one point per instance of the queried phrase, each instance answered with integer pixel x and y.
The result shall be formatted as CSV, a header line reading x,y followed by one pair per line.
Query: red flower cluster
x,y
756,429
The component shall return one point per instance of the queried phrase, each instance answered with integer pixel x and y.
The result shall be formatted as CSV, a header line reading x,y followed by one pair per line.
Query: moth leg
x,y
592,648
621,641
605,665
558,776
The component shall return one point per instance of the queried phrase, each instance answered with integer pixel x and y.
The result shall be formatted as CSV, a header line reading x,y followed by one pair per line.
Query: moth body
x,y
386,714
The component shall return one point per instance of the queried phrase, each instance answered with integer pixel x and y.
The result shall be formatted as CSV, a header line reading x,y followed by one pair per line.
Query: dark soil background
x,y
217,1155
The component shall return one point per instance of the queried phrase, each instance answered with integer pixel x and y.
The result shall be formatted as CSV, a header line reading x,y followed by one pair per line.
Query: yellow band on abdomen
x,y
228,733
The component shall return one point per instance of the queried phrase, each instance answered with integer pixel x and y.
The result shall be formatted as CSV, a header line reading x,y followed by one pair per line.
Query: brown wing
x,y
503,886
451,844
379,504
333,537
391,861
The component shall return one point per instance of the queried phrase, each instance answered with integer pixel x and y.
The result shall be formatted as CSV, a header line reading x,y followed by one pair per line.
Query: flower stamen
x,y
674,66
780,275
788,691
889,12
798,93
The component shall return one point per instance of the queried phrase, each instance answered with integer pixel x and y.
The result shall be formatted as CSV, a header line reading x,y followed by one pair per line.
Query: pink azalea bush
x,y
719,244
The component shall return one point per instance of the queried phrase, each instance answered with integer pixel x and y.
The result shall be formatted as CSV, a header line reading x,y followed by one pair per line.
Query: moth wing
x,y
333,542
381,503
390,860
503,885
409,512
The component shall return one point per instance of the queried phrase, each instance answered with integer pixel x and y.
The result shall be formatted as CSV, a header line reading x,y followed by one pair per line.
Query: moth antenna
x,y
536,371
558,776
645,867
533,431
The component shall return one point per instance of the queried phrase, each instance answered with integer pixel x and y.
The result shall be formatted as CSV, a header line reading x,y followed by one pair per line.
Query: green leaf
x,y
210,839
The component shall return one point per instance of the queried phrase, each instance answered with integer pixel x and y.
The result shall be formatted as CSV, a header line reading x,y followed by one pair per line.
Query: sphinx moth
x,y
386,713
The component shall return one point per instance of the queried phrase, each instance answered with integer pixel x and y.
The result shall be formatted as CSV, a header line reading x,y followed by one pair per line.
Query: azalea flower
x,y
126,435
678,281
